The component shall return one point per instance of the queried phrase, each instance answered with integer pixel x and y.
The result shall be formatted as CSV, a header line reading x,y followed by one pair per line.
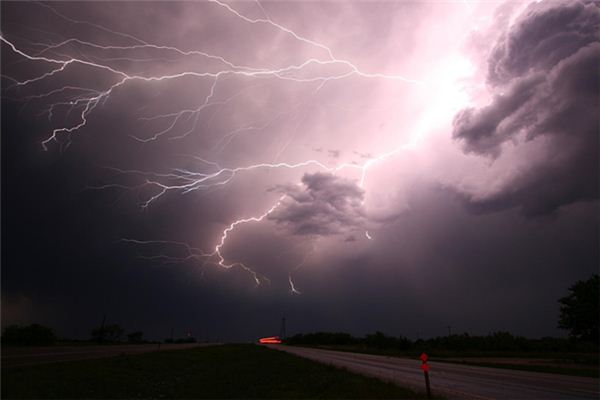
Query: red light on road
x,y
270,340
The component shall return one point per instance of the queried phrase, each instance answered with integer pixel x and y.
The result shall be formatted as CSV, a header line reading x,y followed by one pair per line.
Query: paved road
x,y
24,356
458,381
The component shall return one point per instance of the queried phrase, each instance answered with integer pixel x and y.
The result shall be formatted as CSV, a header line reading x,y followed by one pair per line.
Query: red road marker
x,y
425,367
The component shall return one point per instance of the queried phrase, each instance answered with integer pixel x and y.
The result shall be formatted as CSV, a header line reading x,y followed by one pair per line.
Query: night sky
x,y
355,166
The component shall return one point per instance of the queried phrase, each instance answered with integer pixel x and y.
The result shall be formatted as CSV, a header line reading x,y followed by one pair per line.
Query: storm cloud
x,y
544,73
325,204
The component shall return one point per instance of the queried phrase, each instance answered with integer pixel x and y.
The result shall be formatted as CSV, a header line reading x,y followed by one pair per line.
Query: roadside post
x,y
425,368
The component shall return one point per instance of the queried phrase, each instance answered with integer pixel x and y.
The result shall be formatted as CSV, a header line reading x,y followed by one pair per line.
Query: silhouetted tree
x,y
32,335
494,342
322,338
580,310
379,340
136,337
107,333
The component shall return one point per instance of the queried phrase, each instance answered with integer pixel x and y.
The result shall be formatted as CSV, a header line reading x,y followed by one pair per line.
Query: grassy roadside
x,y
228,371
573,364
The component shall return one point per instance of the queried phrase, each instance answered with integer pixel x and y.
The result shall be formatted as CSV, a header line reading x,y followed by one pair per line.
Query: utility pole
x,y
102,328
449,331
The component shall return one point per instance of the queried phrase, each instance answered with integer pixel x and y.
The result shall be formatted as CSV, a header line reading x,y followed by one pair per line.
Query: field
x,y
227,371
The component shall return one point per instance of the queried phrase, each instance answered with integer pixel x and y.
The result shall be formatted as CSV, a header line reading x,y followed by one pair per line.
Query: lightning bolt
x,y
293,288
230,228
86,100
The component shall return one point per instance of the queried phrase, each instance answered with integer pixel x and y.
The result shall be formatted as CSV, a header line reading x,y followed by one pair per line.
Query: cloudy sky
x,y
355,166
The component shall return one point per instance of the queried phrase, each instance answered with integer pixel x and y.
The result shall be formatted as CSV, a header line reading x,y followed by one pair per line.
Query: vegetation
x,y
580,310
498,342
107,333
136,337
195,373
188,339
31,335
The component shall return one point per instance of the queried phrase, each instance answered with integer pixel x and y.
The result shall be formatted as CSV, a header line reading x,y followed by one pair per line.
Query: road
x,y
458,381
25,356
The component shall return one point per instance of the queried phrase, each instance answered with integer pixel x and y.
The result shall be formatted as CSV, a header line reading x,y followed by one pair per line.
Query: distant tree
x,y
379,340
107,333
493,342
32,335
98,334
322,338
188,339
136,337
580,310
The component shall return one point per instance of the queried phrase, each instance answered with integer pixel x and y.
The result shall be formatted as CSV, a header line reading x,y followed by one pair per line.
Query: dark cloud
x,y
333,153
484,130
544,34
325,205
545,74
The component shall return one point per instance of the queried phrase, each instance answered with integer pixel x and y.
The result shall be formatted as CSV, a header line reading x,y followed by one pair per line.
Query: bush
x,y
580,310
135,337
32,335
108,333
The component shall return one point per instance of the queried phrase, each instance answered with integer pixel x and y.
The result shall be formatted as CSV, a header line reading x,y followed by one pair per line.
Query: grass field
x,y
227,371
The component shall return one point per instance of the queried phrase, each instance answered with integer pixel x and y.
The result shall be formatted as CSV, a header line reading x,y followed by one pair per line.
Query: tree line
x,y
40,335
494,342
